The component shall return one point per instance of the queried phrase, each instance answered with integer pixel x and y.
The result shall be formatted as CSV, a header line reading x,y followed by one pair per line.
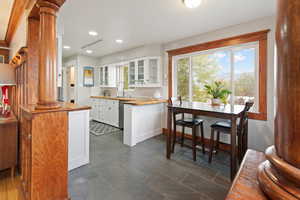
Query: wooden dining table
x,y
227,112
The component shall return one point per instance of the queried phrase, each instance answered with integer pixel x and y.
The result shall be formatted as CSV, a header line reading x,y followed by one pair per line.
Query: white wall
x,y
261,133
82,94
138,52
147,50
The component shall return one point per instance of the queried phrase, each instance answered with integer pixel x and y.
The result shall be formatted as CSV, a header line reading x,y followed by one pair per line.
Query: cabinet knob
x,y
29,137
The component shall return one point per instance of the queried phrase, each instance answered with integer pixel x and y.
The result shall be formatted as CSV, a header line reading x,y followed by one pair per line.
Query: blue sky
x,y
244,61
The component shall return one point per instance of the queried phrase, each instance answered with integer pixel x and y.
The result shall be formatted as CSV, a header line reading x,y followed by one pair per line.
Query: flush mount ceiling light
x,y
192,3
89,51
119,41
67,47
93,33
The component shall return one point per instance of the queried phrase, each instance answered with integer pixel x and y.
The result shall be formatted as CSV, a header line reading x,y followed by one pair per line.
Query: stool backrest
x,y
244,116
171,100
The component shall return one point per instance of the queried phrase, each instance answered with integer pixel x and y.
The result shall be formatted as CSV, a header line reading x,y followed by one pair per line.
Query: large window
x,y
235,66
239,62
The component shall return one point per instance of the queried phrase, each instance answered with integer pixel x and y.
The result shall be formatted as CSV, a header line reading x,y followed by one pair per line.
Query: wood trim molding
x,y
19,58
5,53
17,11
241,39
261,37
3,43
223,146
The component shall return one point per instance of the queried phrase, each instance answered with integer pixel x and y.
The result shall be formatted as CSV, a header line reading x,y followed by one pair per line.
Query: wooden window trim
x,y
261,37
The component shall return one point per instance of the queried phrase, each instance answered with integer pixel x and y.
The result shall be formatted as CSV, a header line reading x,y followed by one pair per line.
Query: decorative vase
x,y
216,102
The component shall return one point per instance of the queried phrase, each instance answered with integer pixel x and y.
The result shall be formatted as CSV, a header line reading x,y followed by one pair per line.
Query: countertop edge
x,y
133,101
65,107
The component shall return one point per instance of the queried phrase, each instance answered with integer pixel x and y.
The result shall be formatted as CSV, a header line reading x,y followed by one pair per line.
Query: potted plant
x,y
218,92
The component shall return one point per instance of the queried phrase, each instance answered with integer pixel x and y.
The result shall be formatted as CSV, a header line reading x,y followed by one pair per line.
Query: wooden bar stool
x,y
225,127
192,123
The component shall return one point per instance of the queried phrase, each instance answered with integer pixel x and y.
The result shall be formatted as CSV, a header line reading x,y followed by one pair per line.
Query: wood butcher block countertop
x,y
113,98
146,102
245,185
64,107
133,101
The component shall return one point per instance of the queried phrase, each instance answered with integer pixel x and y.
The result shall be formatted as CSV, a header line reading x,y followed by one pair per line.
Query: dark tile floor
x,y
143,173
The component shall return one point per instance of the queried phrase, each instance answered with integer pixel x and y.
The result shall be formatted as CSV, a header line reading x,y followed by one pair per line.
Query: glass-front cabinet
x,y
131,73
145,72
153,71
107,76
142,72
101,75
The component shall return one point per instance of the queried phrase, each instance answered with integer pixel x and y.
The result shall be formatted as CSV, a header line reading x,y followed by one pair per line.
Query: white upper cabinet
x,y
132,73
153,75
145,72
142,72
108,76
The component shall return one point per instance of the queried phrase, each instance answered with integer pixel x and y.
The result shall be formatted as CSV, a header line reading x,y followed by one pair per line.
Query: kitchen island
x,y
142,120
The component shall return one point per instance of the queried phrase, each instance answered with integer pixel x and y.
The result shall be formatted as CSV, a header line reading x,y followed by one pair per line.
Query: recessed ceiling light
x,y
93,33
89,51
119,41
192,3
67,47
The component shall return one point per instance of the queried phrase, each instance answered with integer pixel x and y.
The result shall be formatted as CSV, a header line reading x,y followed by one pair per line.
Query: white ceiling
x,y
140,22
5,8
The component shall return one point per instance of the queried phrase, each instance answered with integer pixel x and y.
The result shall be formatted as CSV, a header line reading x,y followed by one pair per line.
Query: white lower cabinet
x,y
105,111
79,139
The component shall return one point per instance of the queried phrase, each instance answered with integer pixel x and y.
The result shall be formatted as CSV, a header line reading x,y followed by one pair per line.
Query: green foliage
x,y
183,78
245,85
205,69
217,90
205,72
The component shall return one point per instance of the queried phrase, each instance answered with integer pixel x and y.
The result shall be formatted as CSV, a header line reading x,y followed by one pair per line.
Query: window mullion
x,y
232,76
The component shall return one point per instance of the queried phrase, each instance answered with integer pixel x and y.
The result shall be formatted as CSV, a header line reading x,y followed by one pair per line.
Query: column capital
x,y
52,4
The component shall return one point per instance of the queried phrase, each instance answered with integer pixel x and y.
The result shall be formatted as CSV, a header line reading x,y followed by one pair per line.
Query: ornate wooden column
x,y
279,176
47,98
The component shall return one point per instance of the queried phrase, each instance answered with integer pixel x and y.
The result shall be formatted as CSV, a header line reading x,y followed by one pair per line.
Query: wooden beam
x,y
17,12
241,39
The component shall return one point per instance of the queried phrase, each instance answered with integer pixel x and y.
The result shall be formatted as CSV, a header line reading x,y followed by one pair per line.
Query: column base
x,y
278,179
47,106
